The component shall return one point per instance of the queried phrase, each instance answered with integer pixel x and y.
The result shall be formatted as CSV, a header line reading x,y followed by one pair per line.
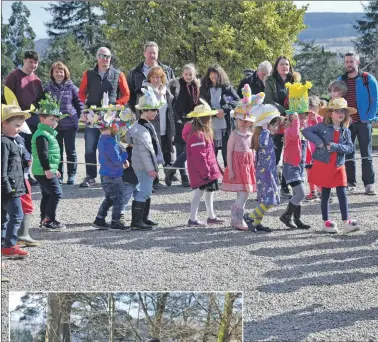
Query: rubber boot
x,y
185,181
146,213
137,210
287,217
240,224
23,233
233,216
297,218
169,176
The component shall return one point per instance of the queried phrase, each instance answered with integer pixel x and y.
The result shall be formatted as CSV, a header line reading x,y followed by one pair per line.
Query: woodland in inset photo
x,y
126,317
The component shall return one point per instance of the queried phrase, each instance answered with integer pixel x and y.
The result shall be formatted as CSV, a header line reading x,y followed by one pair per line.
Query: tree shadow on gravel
x,y
297,325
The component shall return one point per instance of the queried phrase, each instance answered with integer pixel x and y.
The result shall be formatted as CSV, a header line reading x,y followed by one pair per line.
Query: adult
x,y
217,91
275,94
95,82
362,95
163,122
28,89
256,79
137,75
67,94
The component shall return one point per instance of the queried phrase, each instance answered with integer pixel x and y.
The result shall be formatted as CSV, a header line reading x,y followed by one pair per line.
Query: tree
x,y
237,34
21,335
318,66
7,64
19,35
80,18
367,43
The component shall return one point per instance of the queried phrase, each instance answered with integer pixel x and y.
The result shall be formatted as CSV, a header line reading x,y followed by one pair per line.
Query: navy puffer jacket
x,y
67,94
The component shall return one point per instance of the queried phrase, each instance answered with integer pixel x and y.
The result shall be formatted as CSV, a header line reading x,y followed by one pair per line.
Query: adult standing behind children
x,y
103,78
66,92
137,75
362,95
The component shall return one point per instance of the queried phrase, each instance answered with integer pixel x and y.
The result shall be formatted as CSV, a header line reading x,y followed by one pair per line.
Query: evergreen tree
x,y
81,18
7,64
19,35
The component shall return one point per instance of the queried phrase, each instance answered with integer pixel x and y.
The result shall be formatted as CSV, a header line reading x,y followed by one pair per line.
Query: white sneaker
x,y
350,226
330,227
369,190
351,188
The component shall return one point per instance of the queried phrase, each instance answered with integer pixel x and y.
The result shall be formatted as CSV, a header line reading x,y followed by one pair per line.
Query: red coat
x,y
203,166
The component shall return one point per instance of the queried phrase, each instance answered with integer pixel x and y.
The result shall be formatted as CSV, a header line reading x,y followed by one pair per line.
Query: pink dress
x,y
243,165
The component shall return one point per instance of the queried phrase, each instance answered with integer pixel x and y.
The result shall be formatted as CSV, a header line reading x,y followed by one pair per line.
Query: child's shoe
x,y
214,220
53,225
196,223
71,180
260,228
312,196
287,217
13,252
101,223
117,225
297,218
330,227
350,226
237,220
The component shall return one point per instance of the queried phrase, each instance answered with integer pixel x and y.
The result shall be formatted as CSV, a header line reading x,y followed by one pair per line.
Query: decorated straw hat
x,y
337,103
50,106
242,110
265,113
202,110
9,111
149,100
298,97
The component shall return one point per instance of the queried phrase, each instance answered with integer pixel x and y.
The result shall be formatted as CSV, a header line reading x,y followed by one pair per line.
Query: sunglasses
x,y
103,56
338,111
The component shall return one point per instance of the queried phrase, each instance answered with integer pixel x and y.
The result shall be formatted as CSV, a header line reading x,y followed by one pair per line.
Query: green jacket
x,y
54,151
271,96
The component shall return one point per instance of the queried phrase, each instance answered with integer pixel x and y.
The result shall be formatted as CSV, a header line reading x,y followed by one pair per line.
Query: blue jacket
x,y
322,134
367,107
111,157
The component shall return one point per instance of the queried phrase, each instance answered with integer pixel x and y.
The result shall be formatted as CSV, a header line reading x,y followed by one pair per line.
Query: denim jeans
x,y
114,193
343,202
11,219
91,137
145,183
130,190
51,195
180,156
363,132
68,139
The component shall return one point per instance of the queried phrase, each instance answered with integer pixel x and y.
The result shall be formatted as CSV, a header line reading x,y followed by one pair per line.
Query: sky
x,y
38,15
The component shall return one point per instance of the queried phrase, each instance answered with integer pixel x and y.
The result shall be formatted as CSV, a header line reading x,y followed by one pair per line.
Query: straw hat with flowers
x,y
337,103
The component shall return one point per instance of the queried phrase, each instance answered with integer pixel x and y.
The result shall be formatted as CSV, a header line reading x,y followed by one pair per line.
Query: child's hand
x,y
328,147
30,163
126,164
231,174
152,174
220,114
294,116
58,174
49,174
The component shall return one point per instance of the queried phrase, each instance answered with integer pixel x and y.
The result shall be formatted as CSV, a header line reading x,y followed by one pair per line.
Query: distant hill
x,y
41,46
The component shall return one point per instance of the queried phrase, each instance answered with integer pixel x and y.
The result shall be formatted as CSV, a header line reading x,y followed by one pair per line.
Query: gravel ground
x,y
298,286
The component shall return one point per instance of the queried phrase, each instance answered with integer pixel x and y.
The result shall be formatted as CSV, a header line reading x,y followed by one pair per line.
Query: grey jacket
x,y
144,157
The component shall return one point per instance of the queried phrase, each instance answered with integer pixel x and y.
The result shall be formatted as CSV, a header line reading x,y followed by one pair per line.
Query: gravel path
x,y
297,285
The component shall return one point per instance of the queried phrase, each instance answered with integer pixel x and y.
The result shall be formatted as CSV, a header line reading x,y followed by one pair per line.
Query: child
x,y
239,175
12,180
333,140
203,167
295,153
46,159
146,157
337,89
268,121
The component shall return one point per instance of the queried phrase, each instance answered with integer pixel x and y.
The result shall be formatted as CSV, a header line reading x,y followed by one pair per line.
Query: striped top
x,y
351,97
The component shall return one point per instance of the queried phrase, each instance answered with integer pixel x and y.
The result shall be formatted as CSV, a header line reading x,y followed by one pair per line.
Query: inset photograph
x,y
126,316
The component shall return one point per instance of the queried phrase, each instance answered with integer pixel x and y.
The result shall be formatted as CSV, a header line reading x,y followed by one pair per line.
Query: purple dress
x,y
266,171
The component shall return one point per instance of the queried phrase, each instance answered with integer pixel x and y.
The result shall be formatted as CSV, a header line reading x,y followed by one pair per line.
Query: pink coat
x,y
203,166
293,146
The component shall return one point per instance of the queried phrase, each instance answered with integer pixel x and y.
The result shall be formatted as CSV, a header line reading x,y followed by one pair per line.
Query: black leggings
x,y
343,202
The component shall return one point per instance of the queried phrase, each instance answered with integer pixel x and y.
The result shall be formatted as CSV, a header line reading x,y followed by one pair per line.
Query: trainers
x,y
101,223
196,223
369,190
261,228
71,181
312,196
159,186
214,221
117,225
87,182
350,226
53,225
330,227
351,187
285,192
14,252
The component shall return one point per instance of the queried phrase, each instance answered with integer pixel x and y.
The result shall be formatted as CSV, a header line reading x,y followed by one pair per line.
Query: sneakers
x,y
285,192
117,225
71,181
261,228
214,221
88,182
196,223
351,187
159,186
350,226
53,225
369,190
101,224
330,227
312,196
13,252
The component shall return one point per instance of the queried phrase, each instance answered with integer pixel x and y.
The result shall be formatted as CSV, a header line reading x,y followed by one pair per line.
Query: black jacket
x,y
135,79
12,169
129,175
257,85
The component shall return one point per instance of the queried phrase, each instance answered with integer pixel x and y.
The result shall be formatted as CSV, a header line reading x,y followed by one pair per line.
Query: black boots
x,y
185,180
146,213
297,218
137,211
287,217
23,233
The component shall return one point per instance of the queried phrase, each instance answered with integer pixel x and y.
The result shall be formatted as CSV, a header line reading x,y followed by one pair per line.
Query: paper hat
x,y
9,111
149,100
265,113
298,97
202,110
50,106
242,110
113,116
337,103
